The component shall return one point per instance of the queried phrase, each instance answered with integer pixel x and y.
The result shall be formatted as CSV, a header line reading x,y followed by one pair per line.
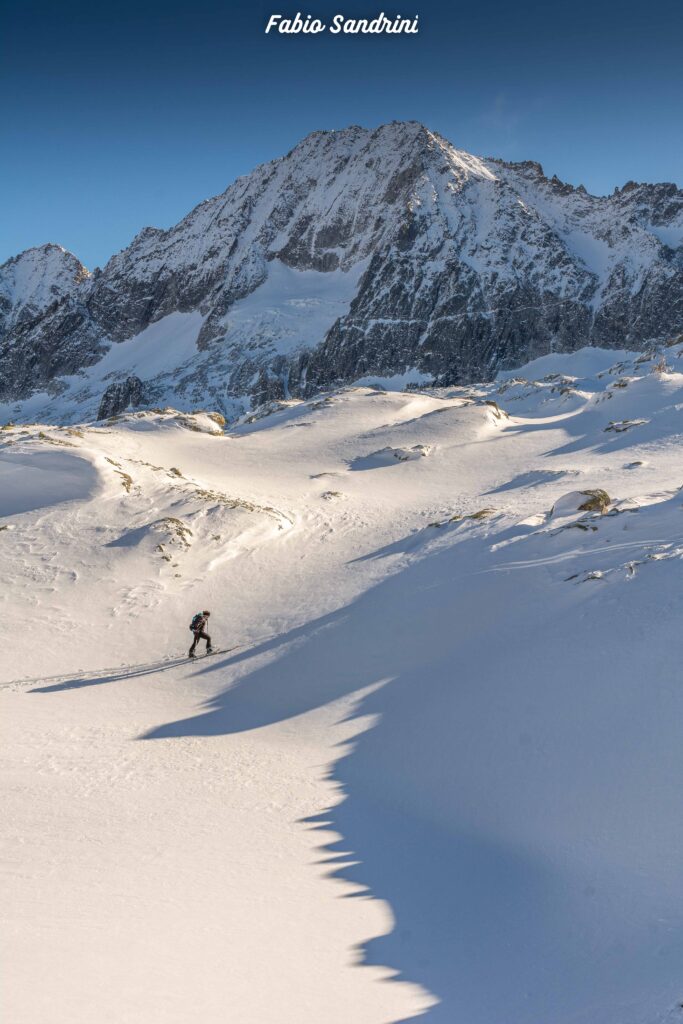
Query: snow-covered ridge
x,y
431,261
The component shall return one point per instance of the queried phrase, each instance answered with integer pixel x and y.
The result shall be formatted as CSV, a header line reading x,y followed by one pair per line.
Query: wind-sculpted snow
x,y
447,684
34,480
359,254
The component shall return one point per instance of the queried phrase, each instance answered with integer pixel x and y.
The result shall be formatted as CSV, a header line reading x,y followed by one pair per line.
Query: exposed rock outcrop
x,y
121,395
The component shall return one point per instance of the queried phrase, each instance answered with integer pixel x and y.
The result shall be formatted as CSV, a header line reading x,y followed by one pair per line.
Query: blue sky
x,y
120,115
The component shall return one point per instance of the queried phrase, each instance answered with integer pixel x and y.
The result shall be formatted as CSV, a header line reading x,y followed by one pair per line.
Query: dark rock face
x,y
461,267
126,394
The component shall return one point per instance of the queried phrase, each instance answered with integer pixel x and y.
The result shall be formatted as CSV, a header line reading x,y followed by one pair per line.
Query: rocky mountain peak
x,y
385,252
35,280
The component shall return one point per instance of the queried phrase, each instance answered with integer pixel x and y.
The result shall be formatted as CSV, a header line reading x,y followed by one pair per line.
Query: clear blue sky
x,y
119,115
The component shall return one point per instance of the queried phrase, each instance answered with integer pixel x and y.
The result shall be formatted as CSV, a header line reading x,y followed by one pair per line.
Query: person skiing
x,y
198,627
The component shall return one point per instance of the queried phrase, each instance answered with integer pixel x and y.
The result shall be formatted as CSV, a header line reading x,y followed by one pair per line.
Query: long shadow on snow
x,y
149,668
479,764
111,676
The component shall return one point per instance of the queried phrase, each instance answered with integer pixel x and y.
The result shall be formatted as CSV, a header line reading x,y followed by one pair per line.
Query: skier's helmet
x,y
205,612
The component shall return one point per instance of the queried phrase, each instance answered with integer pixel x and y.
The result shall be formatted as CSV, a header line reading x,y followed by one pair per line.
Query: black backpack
x,y
194,625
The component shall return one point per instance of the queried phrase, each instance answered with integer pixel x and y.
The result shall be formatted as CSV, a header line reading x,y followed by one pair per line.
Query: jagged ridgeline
x,y
360,254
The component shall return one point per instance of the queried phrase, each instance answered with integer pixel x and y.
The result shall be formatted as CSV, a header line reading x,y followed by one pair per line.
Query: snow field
x,y
434,695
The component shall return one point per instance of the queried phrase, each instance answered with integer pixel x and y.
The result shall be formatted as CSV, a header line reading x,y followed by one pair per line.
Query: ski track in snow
x,y
435,695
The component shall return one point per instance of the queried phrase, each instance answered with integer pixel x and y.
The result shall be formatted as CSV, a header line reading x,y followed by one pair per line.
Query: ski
x,y
210,654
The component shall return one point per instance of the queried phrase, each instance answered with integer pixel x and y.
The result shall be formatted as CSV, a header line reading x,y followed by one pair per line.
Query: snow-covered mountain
x,y
360,253
449,686
34,282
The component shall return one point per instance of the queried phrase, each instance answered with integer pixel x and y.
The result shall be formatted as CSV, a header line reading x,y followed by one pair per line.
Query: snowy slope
x,y
385,252
445,688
